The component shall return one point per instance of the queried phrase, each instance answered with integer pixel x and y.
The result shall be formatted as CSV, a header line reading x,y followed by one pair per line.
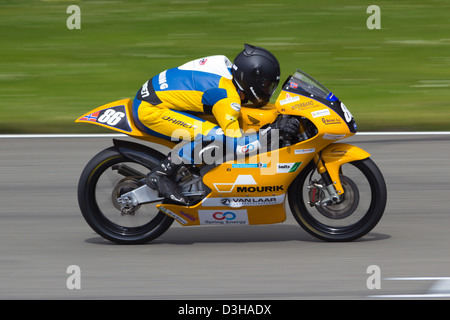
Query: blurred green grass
x,y
396,78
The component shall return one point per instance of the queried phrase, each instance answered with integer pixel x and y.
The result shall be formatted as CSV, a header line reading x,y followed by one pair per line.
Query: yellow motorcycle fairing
x,y
252,190
245,192
117,115
250,193
334,156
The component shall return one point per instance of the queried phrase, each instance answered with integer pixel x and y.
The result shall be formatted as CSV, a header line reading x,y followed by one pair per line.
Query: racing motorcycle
x,y
334,190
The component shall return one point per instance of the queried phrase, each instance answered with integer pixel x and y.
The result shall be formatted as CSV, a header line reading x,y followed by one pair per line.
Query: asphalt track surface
x,y
42,233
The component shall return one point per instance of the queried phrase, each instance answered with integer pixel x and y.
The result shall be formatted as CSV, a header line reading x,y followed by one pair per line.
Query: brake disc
x,y
125,185
348,204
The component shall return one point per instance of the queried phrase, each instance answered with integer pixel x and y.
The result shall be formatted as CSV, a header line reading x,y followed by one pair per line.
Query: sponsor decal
x,y
245,149
202,61
144,90
225,217
179,122
338,152
331,121
248,147
187,215
173,215
329,136
304,105
236,202
303,151
260,189
320,113
249,165
162,80
289,99
288,167
245,180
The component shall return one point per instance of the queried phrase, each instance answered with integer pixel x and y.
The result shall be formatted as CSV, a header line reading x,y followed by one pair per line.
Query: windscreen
x,y
304,82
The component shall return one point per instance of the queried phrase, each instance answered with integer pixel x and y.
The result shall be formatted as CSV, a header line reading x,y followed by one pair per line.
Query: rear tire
x,y
99,186
362,215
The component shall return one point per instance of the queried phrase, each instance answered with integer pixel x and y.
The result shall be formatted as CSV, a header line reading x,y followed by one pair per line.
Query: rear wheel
x,y
105,178
360,209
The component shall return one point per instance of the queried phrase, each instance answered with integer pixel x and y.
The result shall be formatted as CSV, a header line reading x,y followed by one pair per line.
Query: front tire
x,y
358,214
101,183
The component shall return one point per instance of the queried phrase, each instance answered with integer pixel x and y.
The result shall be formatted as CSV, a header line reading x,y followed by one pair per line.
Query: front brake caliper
x,y
321,195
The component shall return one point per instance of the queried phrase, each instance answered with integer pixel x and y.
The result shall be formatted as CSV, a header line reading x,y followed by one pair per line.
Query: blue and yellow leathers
x,y
166,105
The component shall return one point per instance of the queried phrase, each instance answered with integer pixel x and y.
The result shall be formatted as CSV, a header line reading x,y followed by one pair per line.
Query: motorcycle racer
x,y
211,85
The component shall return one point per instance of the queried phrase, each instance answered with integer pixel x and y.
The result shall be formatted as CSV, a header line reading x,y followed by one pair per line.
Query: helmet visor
x,y
269,87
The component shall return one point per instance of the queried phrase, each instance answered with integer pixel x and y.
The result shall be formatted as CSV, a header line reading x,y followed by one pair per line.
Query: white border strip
x,y
119,135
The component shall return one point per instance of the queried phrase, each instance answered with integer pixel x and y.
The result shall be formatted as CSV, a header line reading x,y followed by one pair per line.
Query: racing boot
x,y
162,179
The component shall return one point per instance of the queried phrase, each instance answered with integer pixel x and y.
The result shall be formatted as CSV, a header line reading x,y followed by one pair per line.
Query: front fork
x,y
325,193
328,164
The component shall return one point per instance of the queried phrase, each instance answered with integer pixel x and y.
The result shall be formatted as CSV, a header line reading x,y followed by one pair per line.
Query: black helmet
x,y
257,73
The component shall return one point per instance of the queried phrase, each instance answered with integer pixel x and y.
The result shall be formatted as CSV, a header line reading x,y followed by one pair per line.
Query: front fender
x,y
335,155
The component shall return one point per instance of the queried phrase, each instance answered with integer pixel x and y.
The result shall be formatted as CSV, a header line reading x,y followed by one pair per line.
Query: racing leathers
x,y
165,106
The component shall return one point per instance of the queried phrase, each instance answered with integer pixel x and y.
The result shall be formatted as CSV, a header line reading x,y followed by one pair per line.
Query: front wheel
x,y
104,179
360,209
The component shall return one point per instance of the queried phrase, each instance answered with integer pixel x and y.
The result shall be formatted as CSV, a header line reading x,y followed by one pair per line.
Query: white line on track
x,y
117,135
419,279
439,289
406,296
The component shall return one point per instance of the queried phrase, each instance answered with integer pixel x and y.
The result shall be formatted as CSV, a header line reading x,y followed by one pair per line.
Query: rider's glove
x,y
287,125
